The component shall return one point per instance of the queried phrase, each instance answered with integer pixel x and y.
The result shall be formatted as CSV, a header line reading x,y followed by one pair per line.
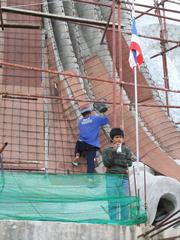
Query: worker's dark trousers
x,y
90,156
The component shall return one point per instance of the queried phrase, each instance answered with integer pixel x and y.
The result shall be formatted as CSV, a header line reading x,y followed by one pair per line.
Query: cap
x,y
86,108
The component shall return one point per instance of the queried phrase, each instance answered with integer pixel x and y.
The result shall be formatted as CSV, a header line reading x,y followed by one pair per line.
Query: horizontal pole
x,y
57,17
167,50
137,11
13,65
21,25
9,95
75,20
151,8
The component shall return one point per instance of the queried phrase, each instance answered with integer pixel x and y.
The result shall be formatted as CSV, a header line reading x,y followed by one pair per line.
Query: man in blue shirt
x,y
88,143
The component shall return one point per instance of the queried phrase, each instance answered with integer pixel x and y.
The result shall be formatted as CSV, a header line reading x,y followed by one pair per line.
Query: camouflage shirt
x,y
117,162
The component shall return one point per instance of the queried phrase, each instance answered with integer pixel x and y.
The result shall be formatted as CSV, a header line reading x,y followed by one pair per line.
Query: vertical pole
x,y
45,84
2,167
145,189
114,61
1,17
120,64
135,183
163,49
46,134
165,67
136,120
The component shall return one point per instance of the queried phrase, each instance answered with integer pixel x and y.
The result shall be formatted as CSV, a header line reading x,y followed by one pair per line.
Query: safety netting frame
x,y
80,198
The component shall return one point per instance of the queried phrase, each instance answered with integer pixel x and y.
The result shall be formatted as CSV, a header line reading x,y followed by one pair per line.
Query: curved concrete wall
x,y
162,193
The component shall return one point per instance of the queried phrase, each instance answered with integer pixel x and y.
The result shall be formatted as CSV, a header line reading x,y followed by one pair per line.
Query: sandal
x,y
75,164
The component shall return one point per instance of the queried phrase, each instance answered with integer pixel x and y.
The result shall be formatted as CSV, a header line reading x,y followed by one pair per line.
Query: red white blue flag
x,y
135,54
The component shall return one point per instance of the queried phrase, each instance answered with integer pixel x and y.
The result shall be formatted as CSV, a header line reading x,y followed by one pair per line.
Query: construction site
x,y
56,56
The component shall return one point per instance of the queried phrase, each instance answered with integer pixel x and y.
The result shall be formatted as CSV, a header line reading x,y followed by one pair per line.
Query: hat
x,y
86,108
116,132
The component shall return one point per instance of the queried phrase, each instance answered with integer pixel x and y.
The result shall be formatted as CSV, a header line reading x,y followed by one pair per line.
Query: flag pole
x,y
135,60
136,120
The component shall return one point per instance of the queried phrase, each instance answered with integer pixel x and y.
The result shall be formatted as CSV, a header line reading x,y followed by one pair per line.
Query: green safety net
x,y
78,198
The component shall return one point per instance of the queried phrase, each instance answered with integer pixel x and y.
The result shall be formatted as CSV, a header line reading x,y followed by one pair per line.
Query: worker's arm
x,y
103,119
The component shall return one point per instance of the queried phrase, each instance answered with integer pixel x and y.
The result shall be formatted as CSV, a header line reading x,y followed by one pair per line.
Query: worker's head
x,y
117,135
86,110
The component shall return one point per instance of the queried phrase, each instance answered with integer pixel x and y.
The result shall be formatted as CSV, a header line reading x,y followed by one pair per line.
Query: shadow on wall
x,y
166,206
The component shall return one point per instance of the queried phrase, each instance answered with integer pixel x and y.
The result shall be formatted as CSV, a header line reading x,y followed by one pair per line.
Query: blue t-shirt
x,y
89,129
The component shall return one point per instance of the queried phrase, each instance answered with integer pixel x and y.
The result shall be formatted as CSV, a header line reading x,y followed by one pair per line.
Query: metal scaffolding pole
x,y
1,18
163,36
114,62
120,64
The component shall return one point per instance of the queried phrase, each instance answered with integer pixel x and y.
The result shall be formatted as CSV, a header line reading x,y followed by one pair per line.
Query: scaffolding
x,y
54,57
48,66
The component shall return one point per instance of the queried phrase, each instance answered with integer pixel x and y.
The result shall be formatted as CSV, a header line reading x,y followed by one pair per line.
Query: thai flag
x,y
135,54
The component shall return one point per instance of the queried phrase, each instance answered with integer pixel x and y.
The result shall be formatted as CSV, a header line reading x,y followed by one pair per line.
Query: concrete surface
x,y
37,230
34,230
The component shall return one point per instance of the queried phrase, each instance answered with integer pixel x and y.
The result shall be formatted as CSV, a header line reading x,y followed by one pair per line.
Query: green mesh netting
x,y
78,198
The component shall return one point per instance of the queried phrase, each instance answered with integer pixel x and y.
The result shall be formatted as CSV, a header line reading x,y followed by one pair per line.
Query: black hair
x,y
85,113
116,132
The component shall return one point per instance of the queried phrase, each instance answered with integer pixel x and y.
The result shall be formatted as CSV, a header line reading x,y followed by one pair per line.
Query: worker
x,y
88,143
